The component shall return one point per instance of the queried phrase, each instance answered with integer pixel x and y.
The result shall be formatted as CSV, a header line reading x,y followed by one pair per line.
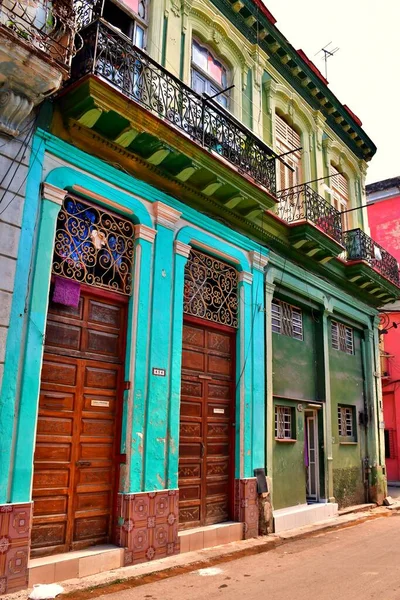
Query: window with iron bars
x,y
342,337
287,319
284,423
346,423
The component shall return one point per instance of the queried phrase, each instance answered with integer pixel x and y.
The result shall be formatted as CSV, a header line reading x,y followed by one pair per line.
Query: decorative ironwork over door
x,y
93,246
211,290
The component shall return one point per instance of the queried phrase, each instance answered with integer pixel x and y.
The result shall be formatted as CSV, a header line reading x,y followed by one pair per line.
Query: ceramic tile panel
x,y
246,506
15,527
147,525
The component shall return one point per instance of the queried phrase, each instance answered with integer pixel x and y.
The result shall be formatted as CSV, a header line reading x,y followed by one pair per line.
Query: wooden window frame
x,y
202,73
287,319
347,426
342,337
286,178
136,20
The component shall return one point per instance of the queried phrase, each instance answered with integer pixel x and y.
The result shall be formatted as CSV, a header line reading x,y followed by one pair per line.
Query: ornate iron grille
x,y
108,54
45,25
360,246
210,290
93,247
302,203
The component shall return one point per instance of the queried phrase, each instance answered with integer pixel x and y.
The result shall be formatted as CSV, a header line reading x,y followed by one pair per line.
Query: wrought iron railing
x,y
359,246
109,54
45,25
302,203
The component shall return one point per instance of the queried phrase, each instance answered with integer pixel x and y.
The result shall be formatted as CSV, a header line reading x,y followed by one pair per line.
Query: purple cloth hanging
x,y
66,291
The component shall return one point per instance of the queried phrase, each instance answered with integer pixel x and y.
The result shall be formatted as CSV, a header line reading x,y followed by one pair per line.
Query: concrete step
x,y
76,564
210,535
356,509
301,515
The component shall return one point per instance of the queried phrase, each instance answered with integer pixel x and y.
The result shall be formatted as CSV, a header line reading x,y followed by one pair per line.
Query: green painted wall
x,y
294,363
346,378
289,473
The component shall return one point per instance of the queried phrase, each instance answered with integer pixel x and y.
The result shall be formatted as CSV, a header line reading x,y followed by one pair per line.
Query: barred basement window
x,y
342,337
346,423
283,423
287,319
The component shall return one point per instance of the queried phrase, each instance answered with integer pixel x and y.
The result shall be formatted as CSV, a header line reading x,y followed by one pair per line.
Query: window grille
x,y
210,289
287,319
93,246
346,421
283,423
342,337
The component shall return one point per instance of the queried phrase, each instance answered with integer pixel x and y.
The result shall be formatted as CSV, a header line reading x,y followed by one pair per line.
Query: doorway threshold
x,y
75,564
210,536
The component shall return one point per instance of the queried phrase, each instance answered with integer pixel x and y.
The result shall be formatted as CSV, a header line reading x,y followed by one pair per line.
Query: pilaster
x,y
328,409
270,421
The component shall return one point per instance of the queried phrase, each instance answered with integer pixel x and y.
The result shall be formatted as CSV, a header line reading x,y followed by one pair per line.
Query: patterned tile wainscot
x,y
15,525
246,506
148,525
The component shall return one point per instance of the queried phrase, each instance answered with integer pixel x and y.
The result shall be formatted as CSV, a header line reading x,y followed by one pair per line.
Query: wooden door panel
x,y
75,446
207,395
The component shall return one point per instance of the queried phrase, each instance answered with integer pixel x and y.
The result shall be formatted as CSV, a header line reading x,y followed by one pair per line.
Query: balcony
x,y
315,224
129,106
370,266
36,47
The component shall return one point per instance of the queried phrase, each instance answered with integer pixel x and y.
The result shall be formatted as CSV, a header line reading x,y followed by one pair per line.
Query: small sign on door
x,y
219,411
105,403
158,372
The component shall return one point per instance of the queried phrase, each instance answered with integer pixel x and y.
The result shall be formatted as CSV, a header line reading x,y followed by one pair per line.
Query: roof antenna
x,y
327,54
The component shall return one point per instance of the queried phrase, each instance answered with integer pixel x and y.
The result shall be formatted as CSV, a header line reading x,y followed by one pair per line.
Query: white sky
x,y
364,73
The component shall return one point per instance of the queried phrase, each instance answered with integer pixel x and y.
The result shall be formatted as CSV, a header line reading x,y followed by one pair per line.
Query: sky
x,y
364,73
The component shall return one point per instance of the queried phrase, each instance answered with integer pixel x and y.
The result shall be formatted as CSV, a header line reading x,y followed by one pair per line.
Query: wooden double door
x,y
207,414
77,427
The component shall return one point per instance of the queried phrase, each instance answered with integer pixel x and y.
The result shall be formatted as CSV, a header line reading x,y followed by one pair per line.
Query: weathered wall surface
x,y
346,379
14,157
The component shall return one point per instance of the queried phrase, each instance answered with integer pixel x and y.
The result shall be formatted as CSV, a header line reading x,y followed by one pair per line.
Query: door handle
x,y
83,463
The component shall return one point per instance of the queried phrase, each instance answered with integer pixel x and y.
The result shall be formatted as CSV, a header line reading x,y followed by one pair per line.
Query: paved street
x,y
358,563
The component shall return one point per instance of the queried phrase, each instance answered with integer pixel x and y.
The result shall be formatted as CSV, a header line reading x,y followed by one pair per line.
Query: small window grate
x,y
342,337
283,423
346,421
287,319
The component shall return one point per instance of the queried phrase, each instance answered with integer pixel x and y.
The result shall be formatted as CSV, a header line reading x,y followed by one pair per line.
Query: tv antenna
x,y
328,52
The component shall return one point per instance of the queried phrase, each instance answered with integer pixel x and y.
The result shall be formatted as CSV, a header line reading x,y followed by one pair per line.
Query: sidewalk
x,y
133,576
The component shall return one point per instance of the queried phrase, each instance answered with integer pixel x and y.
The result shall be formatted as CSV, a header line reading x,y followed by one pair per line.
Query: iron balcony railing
x,y
45,25
359,246
110,55
302,203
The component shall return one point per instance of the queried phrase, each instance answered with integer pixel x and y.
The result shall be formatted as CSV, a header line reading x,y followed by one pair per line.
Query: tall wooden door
x,y
76,441
206,426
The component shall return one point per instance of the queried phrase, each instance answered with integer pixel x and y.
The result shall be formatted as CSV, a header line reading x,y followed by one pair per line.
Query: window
x,y
284,423
208,74
390,443
131,22
288,139
287,319
346,423
340,198
342,337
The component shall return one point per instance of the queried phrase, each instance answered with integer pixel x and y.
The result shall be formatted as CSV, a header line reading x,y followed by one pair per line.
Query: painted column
x,y
158,398
259,262
30,383
327,410
181,254
269,414
244,378
135,402
269,136
173,37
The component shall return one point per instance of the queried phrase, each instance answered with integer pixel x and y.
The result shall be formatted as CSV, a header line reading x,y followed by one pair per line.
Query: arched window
x,y
340,196
287,139
208,74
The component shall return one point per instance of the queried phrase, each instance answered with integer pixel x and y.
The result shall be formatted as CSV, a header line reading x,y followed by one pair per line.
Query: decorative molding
x,y
182,249
269,288
258,260
165,215
81,190
245,277
14,109
142,232
53,194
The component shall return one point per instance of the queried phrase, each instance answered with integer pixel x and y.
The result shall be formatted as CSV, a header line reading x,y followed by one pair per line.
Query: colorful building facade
x,y
383,213
187,310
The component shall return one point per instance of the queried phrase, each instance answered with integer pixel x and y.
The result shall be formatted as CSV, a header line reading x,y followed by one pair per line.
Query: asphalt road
x,y
358,563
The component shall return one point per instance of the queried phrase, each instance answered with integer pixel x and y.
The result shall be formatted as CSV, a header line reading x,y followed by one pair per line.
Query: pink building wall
x,y
384,222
